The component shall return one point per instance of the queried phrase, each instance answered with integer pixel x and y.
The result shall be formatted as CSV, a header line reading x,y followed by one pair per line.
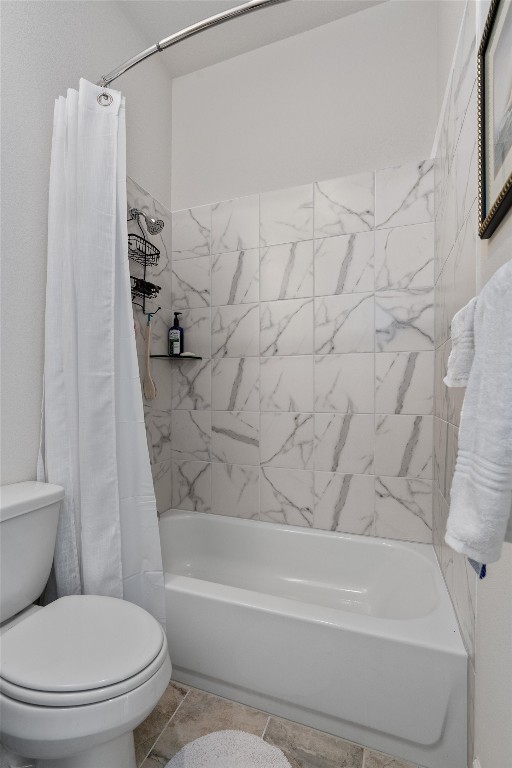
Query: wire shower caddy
x,y
146,255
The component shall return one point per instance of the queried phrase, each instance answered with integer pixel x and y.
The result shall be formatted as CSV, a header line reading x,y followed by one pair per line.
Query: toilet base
x,y
118,753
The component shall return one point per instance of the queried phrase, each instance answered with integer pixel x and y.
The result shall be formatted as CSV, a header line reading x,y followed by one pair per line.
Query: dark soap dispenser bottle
x,y
176,337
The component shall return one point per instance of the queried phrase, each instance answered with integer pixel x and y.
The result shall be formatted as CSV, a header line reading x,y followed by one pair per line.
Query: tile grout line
x,y
266,726
163,729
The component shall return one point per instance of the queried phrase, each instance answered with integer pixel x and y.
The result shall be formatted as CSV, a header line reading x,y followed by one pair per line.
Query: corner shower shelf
x,y
178,357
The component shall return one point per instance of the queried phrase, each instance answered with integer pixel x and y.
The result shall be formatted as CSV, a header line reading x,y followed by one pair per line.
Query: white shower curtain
x,y
93,436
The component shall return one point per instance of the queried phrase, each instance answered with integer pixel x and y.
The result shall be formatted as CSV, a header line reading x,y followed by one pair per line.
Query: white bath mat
x,y
229,749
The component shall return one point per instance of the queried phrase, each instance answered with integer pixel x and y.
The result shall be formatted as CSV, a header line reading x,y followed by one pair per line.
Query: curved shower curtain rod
x,y
184,34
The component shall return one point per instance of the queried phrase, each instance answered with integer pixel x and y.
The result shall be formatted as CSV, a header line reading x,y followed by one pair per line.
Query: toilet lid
x,y
80,643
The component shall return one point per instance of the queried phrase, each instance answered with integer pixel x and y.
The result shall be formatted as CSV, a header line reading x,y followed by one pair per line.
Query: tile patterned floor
x,y
184,714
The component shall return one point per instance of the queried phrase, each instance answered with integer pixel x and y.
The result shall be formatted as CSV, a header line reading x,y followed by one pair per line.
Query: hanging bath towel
x,y
481,493
462,355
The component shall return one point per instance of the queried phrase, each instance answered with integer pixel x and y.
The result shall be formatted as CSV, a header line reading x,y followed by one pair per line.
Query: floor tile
x,y
377,760
154,762
201,714
150,729
308,748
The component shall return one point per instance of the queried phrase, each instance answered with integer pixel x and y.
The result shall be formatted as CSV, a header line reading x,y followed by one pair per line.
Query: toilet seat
x,y
81,649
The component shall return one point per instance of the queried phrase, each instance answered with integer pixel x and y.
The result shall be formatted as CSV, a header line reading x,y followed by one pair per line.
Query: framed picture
x,y
495,117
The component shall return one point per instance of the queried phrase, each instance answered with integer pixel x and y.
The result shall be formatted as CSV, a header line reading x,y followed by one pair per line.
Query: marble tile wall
x,y
455,267
157,412
313,310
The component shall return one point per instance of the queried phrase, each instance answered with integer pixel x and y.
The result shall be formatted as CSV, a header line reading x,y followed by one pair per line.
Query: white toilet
x,y
77,676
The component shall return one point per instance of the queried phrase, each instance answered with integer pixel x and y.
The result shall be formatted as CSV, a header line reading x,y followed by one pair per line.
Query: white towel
x,y
481,494
463,346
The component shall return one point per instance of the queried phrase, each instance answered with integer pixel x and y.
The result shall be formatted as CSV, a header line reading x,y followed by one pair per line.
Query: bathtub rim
x,y
420,548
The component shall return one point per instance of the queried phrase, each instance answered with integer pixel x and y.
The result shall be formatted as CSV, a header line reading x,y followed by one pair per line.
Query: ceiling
x,y
156,19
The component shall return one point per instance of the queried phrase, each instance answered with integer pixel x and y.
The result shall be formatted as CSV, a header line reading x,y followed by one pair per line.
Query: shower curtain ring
x,y
104,99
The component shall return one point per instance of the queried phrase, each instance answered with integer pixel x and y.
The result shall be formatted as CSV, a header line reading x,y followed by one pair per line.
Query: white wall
x,y
46,48
448,21
493,642
493,681
356,94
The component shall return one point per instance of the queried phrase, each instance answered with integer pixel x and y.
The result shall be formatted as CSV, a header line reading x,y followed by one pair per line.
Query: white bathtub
x,y
352,635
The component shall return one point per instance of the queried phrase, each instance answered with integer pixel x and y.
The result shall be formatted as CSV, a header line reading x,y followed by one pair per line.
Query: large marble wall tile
x,y
191,232
452,446
286,496
403,446
235,277
465,262
403,509
139,327
344,443
191,435
287,440
404,257
286,216
404,320
457,281
344,383
438,521
461,582
235,331
439,518
190,385
344,264
449,127
344,503
160,373
440,389
344,324
404,382
344,205
444,301
147,412
191,283
160,324
471,713
191,486
235,224
446,226
162,485
197,326
286,383
448,400
286,327
158,430
465,163
287,271
441,161
235,490
464,72
440,453
235,384
404,195
235,437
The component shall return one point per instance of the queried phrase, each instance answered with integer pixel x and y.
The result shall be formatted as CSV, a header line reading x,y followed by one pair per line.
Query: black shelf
x,y
177,357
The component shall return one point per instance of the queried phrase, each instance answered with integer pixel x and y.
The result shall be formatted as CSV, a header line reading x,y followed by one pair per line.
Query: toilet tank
x,y
29,514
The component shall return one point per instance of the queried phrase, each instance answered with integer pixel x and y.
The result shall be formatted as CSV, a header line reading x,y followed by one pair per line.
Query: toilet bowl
x,y
77,676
